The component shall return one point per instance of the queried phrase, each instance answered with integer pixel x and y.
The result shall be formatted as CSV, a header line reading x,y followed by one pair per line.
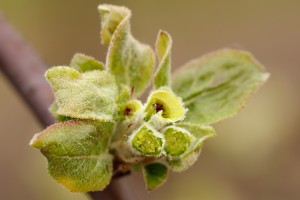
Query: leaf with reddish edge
x,y
77,153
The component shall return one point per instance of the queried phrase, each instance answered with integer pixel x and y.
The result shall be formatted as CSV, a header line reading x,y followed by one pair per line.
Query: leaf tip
x,y
266,76
164,34
34,141
155,175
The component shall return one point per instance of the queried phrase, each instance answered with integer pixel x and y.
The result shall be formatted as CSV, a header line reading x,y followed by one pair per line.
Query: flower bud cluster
x,y
152,130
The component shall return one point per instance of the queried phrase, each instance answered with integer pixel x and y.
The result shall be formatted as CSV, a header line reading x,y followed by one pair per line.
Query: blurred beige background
x,y
254,156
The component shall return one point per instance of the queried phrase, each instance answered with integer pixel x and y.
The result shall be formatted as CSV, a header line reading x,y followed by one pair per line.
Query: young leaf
x,y
182,164
201,133
163,51
129,60
218,85
77,153
83,63
111,17
53,110
123,97
89,95
155,174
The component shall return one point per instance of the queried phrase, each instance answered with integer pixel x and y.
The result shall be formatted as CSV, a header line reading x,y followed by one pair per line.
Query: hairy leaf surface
x,y
84,63
163,51
201,133
89,95
129,60
77,153
218,85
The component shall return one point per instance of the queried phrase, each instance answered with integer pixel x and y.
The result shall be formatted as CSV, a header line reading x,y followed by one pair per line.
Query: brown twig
x,y
25,70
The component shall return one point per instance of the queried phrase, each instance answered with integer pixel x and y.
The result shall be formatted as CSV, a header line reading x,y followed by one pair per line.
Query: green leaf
x,y
111,17
123,97
84,63
155,174
53,110
182,164
218,85
129,60
201,133
89,95
163,50
77,153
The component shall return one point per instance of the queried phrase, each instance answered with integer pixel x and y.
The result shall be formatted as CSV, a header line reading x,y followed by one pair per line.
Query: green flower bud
x,y
165,102
132,107
178,141
147,141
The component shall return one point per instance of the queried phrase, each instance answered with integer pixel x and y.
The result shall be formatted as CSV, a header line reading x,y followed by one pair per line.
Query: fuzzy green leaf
x,y
155,174
163,51
201,133
218,85
89,95
129,60
123,97
77,153
84,63
53,110
111,17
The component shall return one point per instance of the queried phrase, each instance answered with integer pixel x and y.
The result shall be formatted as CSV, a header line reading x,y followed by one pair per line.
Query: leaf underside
x,y
89,95
77,154
155,174
218,85
84,63
201,133
163,51
129,60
